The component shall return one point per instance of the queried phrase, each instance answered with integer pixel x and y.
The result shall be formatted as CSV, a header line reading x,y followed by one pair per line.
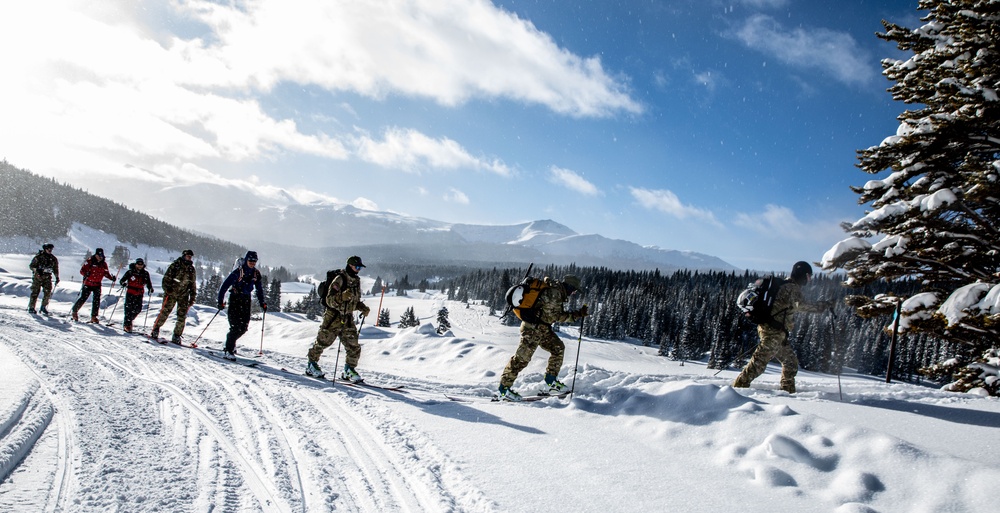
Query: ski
x,y
392,388
531,399
241,361
167,342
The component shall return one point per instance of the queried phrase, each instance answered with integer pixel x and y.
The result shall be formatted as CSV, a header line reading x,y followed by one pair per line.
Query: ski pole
x,y
149,300
579,343
262,317
833,330
111,318
195,343
738,358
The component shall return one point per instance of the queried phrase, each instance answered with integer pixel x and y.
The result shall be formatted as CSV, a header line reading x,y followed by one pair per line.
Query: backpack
x,y
756,301
521,298
324,286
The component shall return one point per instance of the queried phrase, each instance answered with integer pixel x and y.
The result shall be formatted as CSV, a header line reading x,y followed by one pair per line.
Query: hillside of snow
x,y
93,419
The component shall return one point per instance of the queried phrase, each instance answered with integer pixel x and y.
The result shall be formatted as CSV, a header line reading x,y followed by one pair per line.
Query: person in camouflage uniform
x,y
549,306
774,338
43,267
343,298
179,286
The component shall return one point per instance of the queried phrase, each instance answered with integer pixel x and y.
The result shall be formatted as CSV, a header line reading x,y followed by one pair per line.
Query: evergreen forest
x,y
691,315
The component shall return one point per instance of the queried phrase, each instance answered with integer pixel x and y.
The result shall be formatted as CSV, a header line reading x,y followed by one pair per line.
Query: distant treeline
x,y
34,206
693,315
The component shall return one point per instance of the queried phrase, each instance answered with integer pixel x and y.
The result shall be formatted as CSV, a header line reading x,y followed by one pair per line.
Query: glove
x,y
365,310
57,281
222,304
150,291
263,306
583,311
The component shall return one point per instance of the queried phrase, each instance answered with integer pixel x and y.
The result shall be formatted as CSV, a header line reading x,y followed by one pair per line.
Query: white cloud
x,y
446,50
836,53
572,181
667,202
112,83
781,223
456,196
412,151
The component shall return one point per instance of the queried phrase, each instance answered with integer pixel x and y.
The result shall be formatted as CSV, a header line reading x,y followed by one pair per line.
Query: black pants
x,y
84,294
239,319
133,305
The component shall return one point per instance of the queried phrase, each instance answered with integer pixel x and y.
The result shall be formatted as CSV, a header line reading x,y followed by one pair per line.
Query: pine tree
x,y
383,318
408,319
442,319
274,296
937,211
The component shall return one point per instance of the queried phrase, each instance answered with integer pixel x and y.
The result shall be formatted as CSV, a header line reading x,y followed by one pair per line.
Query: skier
x,y
774,340
243,280
343,297
179,287
533,335
94,271
136,280
43,267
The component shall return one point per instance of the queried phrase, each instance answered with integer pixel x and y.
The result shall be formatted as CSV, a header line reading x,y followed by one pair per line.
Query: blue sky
x,y
727,128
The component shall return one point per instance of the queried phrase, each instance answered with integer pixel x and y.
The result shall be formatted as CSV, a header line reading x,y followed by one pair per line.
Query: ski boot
x,y
555,386
229,355
94,320
127,327
76,317
176,339
507,394
350,375
313,370
154,333
44,311
31,311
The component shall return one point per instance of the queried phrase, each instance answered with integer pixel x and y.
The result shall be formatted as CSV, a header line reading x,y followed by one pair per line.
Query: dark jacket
x,y
45,263
244,281
135,280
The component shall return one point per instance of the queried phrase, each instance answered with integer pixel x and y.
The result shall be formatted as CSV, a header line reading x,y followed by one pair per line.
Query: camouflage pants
x,y
334,326
534,336
40,282
773,344
183,304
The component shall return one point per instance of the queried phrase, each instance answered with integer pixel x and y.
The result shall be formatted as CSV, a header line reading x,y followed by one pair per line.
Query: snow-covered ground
x,y
93,419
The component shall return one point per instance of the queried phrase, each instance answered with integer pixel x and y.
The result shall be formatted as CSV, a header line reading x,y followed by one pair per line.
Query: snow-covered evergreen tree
x,y
383,318
442,319
408,319
274,296
937,213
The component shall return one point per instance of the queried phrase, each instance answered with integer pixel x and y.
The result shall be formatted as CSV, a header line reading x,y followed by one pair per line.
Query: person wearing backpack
x,y
342,299
180,287
774,341
136,281
547,309
94,271
244,280
43,267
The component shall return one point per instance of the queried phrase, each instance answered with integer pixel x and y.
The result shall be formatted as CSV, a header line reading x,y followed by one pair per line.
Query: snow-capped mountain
x,y
304,233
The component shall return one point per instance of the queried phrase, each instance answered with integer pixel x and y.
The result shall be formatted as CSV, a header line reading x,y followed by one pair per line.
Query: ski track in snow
x,y
214,437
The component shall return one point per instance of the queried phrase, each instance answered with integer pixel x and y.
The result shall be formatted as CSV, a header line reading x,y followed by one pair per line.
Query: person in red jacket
x,y
136,281
94,271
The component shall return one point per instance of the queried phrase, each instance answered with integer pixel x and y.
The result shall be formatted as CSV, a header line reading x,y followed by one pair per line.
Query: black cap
x,y
187,252
800,270
355,261
48,245
251,256
140,261
99,251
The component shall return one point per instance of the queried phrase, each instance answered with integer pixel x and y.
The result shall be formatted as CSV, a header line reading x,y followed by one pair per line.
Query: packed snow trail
x,y
205,435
